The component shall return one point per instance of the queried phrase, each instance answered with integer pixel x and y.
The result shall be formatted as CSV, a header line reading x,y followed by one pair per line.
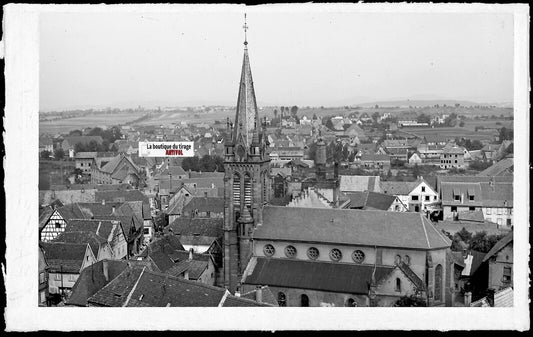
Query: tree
x,y
482,242
294,110
410,301
416,171
506,134
275,113
311,151
461,123
423,118
375,116
59,153
45,154
75,133
479,165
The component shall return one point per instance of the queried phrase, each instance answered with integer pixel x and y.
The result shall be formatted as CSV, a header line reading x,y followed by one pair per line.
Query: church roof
x,y
351,227
246,113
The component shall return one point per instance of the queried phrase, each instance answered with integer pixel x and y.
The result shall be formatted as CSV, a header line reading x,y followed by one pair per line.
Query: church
x,y
319,256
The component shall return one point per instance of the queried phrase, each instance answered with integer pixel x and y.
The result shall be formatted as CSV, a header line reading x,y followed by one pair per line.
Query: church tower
x,y
246,179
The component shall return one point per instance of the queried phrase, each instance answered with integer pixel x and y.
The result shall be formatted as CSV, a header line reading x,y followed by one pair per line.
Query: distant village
x,y
304,207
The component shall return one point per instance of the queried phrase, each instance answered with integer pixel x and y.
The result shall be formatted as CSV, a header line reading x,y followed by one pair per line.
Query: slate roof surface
x,y
205,204
375,157
92,279
499,246
322,276
352,227
267,296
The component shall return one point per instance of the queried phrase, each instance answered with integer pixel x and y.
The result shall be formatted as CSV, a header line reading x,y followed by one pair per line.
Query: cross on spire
x,y
245,27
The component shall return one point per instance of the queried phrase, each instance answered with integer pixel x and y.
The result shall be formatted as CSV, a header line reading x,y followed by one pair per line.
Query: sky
x,y
298,57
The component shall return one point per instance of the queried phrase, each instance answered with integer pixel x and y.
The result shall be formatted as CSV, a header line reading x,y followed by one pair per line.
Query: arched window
x,y
282,300
236,189
350,303
398,285
247,190
265,187
304,300
438,283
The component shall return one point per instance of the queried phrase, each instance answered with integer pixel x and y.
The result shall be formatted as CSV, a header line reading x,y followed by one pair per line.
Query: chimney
x,y
468,298
186,274
105,265
490,296
103,201
113,210
191,253
259,294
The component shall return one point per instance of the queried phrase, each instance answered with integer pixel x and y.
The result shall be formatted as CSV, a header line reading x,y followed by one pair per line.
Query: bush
x,y
410,301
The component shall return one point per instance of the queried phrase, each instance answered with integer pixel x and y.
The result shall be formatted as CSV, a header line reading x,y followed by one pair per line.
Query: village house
x,y
452,157
120,169
204,207
65,262
364,259
418,195
43,278
46,144
493,195
375,161
201,234
375,201
85,161
500,264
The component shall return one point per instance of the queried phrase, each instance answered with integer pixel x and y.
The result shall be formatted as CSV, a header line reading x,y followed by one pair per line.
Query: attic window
x,y
423,188
471,197
398,285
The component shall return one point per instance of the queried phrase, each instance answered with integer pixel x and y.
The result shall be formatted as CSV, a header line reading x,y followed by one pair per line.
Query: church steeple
x,y
246,115
246,178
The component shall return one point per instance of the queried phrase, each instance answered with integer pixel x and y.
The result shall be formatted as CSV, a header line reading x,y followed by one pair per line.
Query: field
x,y
455,132
107,119
489,124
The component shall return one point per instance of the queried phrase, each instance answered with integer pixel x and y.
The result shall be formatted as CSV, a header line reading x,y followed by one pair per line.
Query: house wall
x,y
496,265
316,298
209,275
85,164
55,284
424,197
43,279
452,160
55,226
119,245
503,216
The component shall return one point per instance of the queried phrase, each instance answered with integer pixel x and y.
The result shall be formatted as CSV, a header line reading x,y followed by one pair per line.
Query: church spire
x,y
246,114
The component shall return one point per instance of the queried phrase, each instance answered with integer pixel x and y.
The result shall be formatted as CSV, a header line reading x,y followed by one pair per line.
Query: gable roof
x,y
499,246
94,241
92,279
210,227
64,257
313,275
105,229
399,187
351,227
370,200
359,183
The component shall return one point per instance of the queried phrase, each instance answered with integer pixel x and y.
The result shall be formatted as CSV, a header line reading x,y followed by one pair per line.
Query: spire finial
x,y
245,27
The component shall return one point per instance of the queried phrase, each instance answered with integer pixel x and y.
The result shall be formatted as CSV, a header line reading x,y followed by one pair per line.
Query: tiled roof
x,y
66,257
501,168
94,241
321,276
499,246
44,216
210,227
205,204
351,227
359,183
202,175
105,229
120,195
374,157
471,226
379,201
92,279
144,288
498,193
115,293
85,155
399,187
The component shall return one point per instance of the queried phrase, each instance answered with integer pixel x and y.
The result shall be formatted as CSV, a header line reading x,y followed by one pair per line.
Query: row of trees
x,y
205,164
58,154
480,241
